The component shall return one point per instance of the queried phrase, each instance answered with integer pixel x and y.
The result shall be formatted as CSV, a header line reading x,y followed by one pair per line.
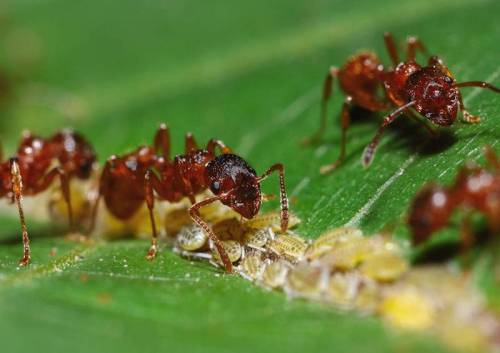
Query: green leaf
x,y
250,74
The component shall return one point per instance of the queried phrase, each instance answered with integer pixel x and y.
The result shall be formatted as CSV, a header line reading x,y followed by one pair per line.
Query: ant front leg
x,y
327,92
217,143
162,141
370,149
190,144
391,48
148,186
412,45
345,118
195,215
283,197
17,189
466,116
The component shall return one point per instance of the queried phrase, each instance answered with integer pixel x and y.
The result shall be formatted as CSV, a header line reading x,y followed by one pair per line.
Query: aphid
x,y
290,247
475,189
30,171
257,238
384,267
271,220
306,280
274,274
430,91
191,238
233,249
327,241
252,266
343,288
130,180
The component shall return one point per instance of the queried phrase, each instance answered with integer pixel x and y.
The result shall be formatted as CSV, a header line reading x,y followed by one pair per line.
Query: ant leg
x,y
412,45
217,143
106,171
283,198
150,203
466,116
190,143
391,48
327,92
345,118
162,141
370,149
17,189
195,215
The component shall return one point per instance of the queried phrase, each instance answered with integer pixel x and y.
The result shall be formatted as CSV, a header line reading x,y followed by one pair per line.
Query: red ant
x,y
30,171
129,180
475,188
430,91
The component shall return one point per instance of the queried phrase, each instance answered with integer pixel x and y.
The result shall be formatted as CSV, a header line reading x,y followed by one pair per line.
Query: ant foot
x,y
469,118
24,261
152,252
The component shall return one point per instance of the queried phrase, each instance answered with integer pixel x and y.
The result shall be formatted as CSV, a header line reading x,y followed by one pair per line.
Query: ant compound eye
x,y
215,187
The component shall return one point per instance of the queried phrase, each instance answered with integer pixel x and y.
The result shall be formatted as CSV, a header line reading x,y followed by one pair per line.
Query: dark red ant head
x,y
434,94
236,183
429,212
76,155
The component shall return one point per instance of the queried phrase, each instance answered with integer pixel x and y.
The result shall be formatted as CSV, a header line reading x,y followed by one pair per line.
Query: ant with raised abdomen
x,y
430,91
30,172
475,188
130,180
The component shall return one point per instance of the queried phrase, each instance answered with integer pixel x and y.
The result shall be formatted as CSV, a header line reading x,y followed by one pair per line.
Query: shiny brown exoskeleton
x,y
130,180
475,189
428,90
31,170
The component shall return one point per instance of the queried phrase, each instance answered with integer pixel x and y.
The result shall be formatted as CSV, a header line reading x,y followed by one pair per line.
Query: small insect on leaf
x,y
327,241
272,220
305,280
290,247
191,238
257,238
343,288
233,249
384,267
252,266
274,274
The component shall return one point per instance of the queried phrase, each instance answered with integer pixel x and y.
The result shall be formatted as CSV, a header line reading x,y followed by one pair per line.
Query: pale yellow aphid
x,y
347,254
175,220
191,238
274,274
271,220
233,249
384,266
257,238
368,297
343,288
229,229
327,241
252,266
290,247
305,280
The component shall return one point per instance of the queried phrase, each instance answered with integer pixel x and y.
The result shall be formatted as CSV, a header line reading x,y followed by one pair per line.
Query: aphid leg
x,y
370,149
190,144
195,215
162,141
412,45
217,143
327,92
345,118
17,189
148,186
283,198
466,116
391,48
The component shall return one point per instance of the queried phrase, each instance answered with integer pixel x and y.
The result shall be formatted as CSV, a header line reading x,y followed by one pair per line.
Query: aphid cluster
x,y
428,91
476,189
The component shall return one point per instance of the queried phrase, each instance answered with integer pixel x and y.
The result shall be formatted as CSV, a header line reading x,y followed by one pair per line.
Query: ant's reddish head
x,y
235,182
434,94
429,212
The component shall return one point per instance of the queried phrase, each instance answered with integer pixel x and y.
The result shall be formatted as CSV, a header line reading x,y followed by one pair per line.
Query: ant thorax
x,y
395,81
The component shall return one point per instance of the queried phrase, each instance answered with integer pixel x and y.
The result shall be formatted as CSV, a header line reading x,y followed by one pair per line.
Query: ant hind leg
x,y
153,250
412,45
17,189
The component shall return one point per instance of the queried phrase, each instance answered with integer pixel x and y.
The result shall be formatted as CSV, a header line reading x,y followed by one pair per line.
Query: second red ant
x,y
430,91
147,173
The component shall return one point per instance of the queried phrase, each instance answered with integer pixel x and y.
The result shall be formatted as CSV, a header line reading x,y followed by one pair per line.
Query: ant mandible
x,y
129,180
430,91
29,171
475,188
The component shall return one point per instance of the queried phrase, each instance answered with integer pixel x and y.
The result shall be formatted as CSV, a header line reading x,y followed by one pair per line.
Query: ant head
x,y
77,155
433,90
429,212
236,183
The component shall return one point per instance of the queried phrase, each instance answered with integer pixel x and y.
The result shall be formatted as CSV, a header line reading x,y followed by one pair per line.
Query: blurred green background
x,y
250,74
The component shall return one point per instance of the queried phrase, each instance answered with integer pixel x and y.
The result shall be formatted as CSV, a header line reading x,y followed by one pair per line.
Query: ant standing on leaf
x,y
430,91
129,180
475,188
30,172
